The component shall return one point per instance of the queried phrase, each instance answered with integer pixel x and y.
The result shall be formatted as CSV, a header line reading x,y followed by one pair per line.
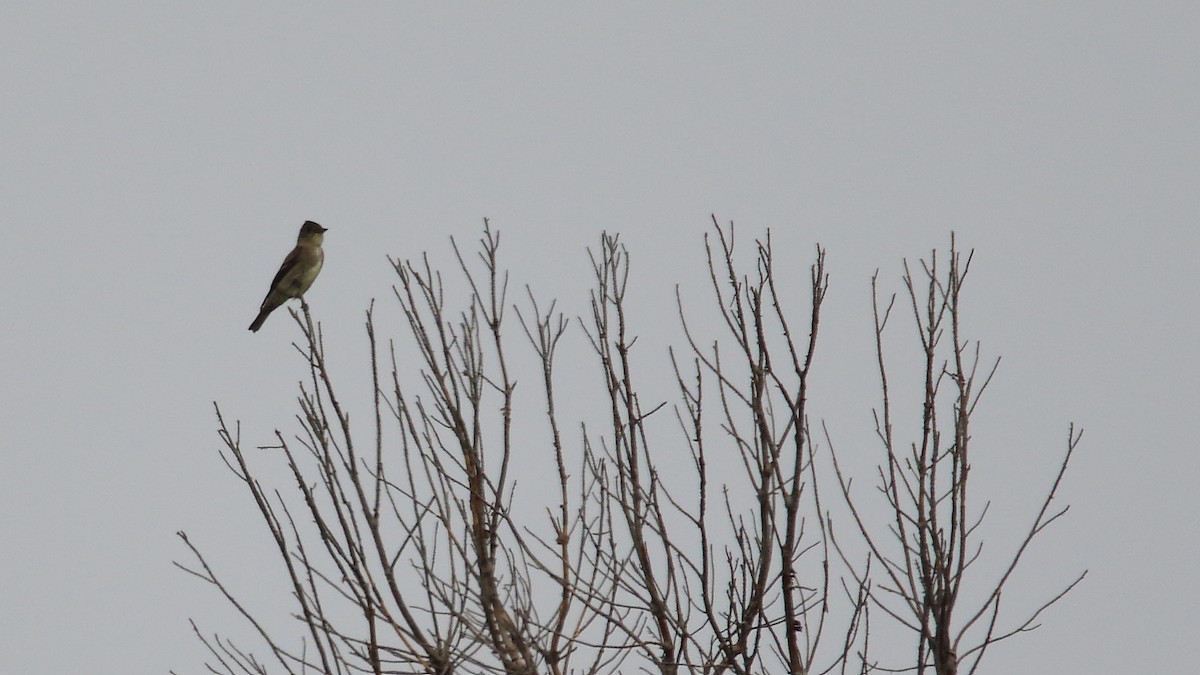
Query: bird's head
x,y
311,233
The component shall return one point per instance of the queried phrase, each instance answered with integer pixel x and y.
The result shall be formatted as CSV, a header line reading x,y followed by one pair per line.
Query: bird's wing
x,y
289,263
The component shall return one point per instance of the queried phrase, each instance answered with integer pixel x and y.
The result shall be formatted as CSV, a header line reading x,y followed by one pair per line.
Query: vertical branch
x,y
457,377
633,492
927,491
763,396
544,334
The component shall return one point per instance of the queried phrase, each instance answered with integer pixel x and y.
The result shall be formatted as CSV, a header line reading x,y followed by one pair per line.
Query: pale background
x,y
157,160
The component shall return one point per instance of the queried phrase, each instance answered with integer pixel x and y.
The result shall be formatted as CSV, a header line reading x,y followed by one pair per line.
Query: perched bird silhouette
x,y
297,272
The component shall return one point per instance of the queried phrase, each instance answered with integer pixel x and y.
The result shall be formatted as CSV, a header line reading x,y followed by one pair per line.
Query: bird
x,y
297,272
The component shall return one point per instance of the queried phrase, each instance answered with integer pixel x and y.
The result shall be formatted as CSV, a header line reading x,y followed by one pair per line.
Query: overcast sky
x,y
157,160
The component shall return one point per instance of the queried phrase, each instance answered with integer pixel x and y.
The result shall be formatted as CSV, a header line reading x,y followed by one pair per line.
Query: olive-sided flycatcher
x,y
297,272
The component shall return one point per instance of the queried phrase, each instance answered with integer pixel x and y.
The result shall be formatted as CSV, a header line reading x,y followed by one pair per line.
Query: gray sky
x,y
158,159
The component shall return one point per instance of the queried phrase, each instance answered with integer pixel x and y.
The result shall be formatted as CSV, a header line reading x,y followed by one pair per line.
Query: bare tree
x,y
408,548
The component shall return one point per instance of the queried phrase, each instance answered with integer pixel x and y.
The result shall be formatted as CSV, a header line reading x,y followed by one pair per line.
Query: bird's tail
x,y
263,313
